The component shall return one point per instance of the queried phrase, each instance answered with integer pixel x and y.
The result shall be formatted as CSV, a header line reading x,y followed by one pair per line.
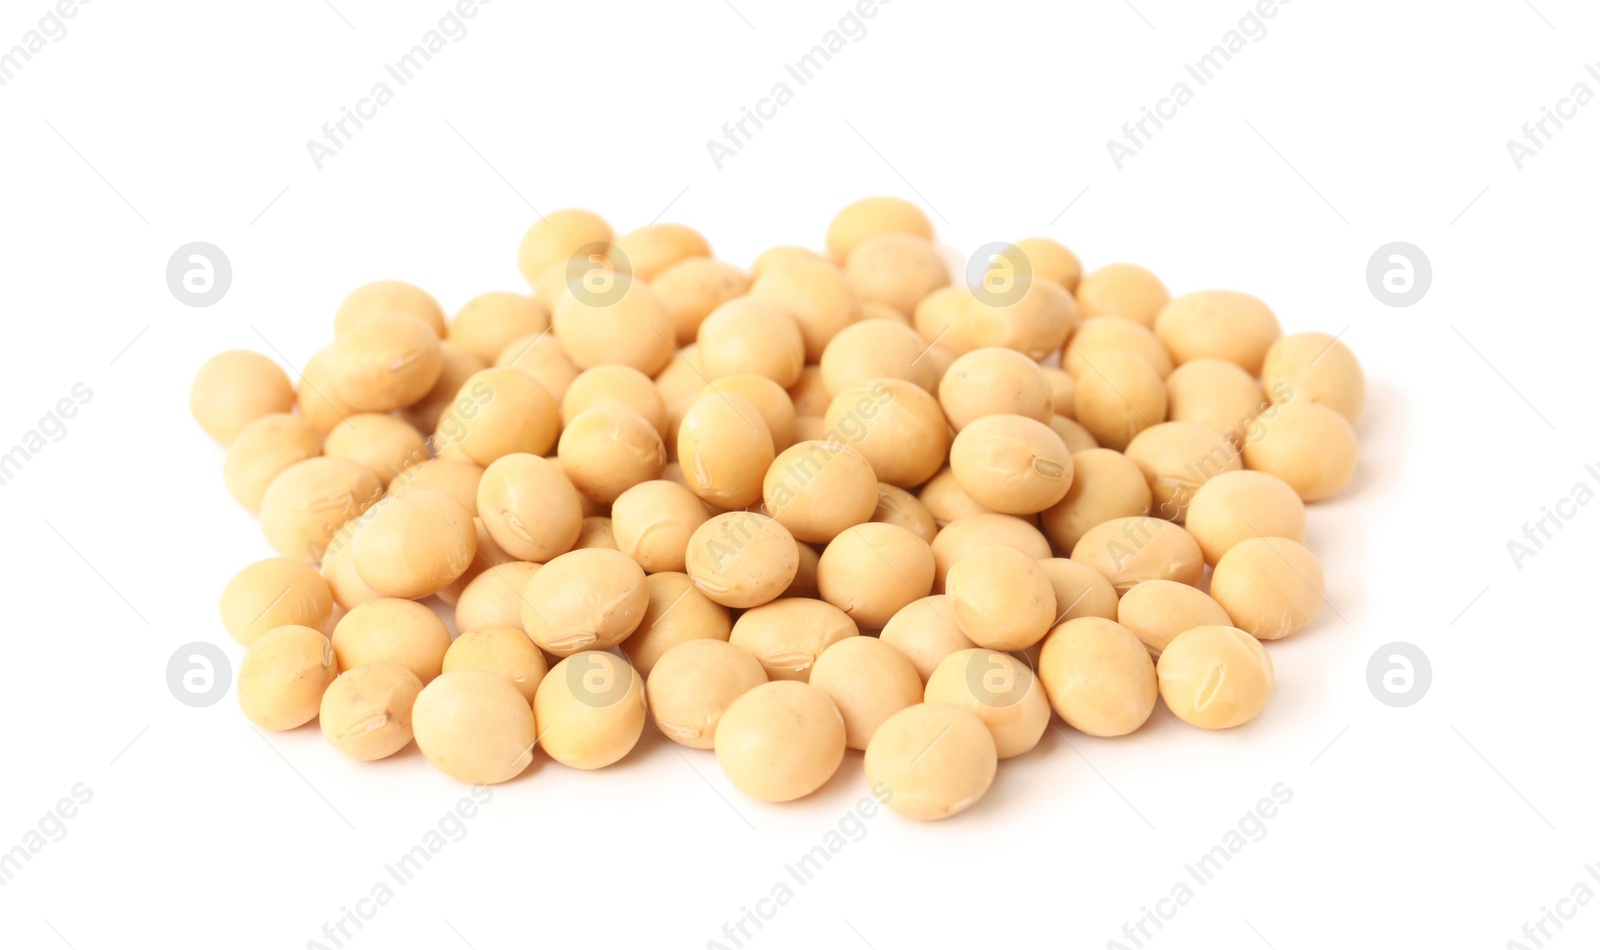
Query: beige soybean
x,y
780,741
474,726
1270,587
631,328
1130,550
1223,324
494,598
934,760
653,521
486,324
1176,459
994,380
504,651
1216,394
770,400
694,287
589,599
311,500
872,310
283,676
945,499
818,489
677,613
1000,690
1099,676
385,444
459,480
415,544
1119,396
787,635
1062,387
652,249
896,270
236,388
896,426
1105,485
1035,323
742,559
1309,446
1099,334
366,712
1072,433
590,709
1236,506
897,506
1080,590
1122,290
276,592
1011,464
457,365
384,297
869,681
319,402
870,571
263,449
805,575
970,532
1319,368
752,335
596,533
873,350
1051,260
607,450
1156,611
488,555
925,631
683,377
866,218
1215,677
498,412
1001,598
776,258
390,630
818,297
556,237
529,507
725,447
613,385
386,361
542,357
693,684
809,394
810,429
339,569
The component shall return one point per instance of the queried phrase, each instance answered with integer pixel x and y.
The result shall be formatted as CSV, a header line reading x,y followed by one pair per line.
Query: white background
x,y
1446,824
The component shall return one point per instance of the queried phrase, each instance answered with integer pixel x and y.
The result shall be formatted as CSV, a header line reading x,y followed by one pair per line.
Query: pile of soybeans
x,y
837,501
